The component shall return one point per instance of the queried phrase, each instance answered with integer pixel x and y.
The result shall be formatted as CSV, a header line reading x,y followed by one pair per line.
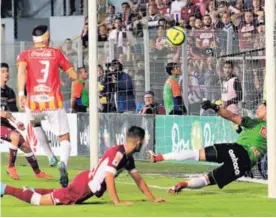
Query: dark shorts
x,y
6,130
235,161
76,192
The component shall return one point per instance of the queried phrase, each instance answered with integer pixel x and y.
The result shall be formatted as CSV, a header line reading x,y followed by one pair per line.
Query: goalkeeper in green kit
x,y
236,158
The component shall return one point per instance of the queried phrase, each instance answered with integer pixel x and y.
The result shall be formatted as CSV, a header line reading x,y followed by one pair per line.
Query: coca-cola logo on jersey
x,y
42,54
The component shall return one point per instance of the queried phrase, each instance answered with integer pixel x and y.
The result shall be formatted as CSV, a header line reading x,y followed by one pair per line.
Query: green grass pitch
x,y
237,199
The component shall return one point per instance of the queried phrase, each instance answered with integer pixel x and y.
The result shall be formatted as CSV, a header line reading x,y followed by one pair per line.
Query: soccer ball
x,y
176,36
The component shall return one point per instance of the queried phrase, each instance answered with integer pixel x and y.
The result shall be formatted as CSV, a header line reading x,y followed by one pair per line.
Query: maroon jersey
x,y
188,11
205,37
114,161
89,183
247,34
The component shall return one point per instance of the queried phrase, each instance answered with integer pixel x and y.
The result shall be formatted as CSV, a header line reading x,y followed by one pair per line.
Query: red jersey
x,y
206,37
188,11
89,183
43,82
115,161
247,33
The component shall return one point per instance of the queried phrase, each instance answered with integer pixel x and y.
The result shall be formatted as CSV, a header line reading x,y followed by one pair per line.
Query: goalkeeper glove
x,y
205,105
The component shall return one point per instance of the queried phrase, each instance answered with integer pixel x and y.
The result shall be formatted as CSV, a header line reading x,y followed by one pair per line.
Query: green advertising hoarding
x,y
178,133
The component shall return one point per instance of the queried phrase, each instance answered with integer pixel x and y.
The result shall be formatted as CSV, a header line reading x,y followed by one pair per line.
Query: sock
x,y
182,155
43,141
43,191
12,156
23,194
65,150
33,162
197,183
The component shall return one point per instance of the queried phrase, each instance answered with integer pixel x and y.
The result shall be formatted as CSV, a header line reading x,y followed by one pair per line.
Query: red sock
x,y
12,157
184,184
43,191
159,157
20,193
33,162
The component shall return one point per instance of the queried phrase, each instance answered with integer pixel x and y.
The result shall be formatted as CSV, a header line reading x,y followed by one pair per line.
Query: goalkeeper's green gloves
x,y
205,105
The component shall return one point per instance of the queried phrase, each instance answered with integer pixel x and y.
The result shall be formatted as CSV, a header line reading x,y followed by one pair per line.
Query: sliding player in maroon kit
x,y
95,182
10,134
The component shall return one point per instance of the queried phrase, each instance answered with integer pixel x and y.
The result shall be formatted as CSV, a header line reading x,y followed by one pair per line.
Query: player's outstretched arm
x,y
111,188
226,114
142,185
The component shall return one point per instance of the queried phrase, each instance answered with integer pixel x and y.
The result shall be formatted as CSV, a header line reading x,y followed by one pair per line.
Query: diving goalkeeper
x,y
237,158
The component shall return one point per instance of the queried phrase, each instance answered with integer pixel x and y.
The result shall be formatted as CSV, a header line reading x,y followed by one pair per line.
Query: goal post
x,y
271,95
93,82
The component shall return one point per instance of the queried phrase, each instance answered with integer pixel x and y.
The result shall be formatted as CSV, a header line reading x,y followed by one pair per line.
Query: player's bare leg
x,y
11,170
65,147
198,155
43,141
195,183
30,157
27,195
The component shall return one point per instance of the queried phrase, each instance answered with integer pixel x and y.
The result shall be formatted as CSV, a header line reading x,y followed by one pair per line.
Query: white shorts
x,y
57,119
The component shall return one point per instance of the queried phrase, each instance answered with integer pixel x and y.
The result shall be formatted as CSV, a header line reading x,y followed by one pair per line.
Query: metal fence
x,y
145,58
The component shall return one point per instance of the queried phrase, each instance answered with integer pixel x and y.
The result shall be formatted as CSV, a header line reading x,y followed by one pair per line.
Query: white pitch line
x,y
197,190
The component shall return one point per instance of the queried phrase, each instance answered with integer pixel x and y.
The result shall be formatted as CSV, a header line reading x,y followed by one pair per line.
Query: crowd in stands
x,y
208,24
225,26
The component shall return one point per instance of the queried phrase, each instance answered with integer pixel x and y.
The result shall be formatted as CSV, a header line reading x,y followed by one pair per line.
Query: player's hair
x,y
136,132
230,63
170,67
40,30
5,65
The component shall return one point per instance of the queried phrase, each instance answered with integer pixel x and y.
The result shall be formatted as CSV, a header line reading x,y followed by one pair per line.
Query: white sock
x,y
182,155
43,141
197,183
35,200
65,150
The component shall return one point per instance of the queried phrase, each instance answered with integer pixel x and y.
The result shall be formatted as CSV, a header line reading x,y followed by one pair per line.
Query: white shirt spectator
x,y
176,7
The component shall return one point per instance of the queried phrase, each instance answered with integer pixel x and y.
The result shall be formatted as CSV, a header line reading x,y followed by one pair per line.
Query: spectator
x,y
79,96
176,7
102,35
68,50
229,30
247,32
153,16
106,90
163,9
194,91
172,91
122,38
205,36
260,39
191,24
84,35
126,13
150,107
124,92
231,88
110,15
189,9
11,101
73,6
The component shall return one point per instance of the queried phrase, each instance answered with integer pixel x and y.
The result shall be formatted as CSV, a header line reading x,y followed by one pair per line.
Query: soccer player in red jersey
x,y
95,182
38,70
